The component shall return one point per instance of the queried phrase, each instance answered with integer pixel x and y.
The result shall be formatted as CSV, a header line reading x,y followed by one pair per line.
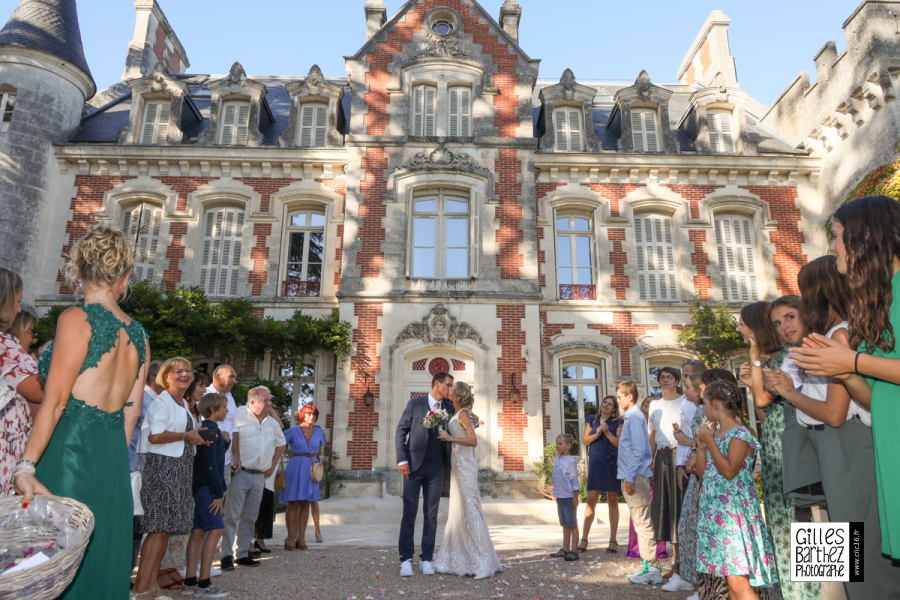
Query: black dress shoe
x,y
247,561
226,563
254,553
256,548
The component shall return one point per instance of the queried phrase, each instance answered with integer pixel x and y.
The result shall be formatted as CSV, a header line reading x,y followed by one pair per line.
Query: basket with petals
x,y
436,418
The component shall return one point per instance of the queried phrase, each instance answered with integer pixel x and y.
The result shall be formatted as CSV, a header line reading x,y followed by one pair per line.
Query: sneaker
x,y
559,554
426,567
406,568
570,556
188,590
694,596
210,592
677,584
226,563
247,561
648,574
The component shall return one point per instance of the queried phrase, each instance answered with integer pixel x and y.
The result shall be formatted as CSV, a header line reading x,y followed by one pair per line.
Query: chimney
x,y
824,60
709,54
510,13
376,16
154,41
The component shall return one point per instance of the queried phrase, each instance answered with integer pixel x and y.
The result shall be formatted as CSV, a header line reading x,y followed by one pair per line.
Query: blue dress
x,y
603,457
297,483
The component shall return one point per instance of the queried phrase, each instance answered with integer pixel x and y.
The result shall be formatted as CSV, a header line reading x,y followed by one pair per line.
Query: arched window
x,y
141,225
582,385
574,258
313,120
220,259
235,123
721,139
7,106
424,101
440,234
155,124
735,241
460,109
306,254
655,257
644,132
568,129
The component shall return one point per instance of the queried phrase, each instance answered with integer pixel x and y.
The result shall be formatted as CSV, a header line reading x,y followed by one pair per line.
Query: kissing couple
x,y
466,548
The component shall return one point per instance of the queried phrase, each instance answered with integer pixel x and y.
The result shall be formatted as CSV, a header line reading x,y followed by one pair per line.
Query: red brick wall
x,y
510,367
184,187
259,253
787,237
700,260
624,336
362,420
510,259
370,257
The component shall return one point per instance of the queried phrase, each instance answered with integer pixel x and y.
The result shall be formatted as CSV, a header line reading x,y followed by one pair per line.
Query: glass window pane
x,y
317,220
573,428
423,262
589,397
588,372
581,224
316,247
569,372
565,276
300,220
314,272
457,263
563,251
570,404
457,233
295,254
583,251
425,206
457,206
584,276
424,232
562,224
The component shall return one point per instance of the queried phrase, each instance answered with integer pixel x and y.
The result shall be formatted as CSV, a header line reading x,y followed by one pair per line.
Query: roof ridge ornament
x,y
643,84
236,74
442,158
439,327
315,76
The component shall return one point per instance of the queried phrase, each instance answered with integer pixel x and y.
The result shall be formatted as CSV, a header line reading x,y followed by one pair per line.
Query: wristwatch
x,y
756,363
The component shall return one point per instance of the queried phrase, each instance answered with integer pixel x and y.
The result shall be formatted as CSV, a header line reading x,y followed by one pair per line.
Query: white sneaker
x,y
406,568
677,584
694,596
427,568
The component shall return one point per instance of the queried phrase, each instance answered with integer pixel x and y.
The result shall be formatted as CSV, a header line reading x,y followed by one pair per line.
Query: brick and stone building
x,y
538,238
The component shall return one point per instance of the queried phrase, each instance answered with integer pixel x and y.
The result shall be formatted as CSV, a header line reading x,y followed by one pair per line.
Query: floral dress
x,y
732,538
16,366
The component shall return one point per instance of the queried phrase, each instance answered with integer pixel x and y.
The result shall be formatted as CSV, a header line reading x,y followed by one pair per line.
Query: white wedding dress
x,y
466,548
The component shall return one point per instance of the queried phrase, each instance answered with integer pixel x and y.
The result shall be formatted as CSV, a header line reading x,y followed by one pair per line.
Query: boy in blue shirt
x,y
566,488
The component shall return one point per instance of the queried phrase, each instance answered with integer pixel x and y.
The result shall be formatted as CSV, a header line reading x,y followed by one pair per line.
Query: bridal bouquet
x,y
436,418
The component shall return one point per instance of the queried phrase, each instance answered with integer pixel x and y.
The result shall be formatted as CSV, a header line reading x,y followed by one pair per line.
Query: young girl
x,y
729,501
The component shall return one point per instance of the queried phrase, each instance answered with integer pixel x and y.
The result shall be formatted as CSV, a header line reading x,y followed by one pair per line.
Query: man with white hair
x,y
257,444
223,380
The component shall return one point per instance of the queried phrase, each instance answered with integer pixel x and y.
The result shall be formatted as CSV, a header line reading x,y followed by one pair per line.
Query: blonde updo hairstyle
x,y
103,256
10,286
464,395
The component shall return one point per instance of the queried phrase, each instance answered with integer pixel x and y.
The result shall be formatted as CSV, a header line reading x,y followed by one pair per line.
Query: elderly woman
x,y
167,437
601,436
18,370
306,443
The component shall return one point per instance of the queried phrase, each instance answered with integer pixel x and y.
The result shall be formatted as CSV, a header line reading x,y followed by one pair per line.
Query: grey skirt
x,y
166,493
665,506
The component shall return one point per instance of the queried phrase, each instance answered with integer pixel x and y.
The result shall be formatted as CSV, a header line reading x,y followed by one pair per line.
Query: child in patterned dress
x,y
732,539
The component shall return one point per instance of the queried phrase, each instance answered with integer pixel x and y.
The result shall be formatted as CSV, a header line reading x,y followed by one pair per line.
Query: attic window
x,y
442,27
7,105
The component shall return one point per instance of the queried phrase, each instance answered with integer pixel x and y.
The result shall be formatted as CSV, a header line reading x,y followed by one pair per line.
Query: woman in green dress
x,y
79,445
867,247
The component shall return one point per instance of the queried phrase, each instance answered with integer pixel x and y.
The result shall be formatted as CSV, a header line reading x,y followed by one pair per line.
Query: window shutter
x,y
243,124
418,109
221,254
228,124
561,129
459,111
465,107
644,134
574,130
430,97
319,122
156,122
721,139
141,225
650,131
306,125
736,248
454,111
656,258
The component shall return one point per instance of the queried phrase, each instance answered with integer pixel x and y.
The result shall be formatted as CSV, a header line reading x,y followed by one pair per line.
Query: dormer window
x,y
721,138
460,109
313,118
155,125
644,132
567,124
424,100
7,105
235,123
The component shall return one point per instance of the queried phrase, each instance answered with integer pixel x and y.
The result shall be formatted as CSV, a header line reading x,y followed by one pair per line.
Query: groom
x,y
420,459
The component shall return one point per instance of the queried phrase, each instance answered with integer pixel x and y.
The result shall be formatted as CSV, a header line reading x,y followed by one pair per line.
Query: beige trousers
x,y
639,507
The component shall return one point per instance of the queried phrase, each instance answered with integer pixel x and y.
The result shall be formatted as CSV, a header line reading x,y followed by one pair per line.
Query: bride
x,y
466,548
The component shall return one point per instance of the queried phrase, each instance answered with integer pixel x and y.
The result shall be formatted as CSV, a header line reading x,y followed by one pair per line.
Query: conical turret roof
x,y
50,26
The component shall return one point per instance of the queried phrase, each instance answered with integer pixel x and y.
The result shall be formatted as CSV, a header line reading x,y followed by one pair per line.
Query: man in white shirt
x,y
257,444
223,380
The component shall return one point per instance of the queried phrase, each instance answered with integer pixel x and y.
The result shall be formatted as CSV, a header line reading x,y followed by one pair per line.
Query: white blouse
x,y
164,414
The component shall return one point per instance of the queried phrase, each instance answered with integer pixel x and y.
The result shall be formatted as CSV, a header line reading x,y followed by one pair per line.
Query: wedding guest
x,y
18,370
306,442
566,488
633,550
633,470
136,459
692,366
95,374
839,428
667,413
733,542
601,436
208,486
22,328
194,393
257,444
266,518
168,438
223,379
867,247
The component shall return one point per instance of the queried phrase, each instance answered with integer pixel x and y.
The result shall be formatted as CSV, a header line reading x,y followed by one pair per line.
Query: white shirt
x,y
258,440
227,424
164,414
665,413
816,387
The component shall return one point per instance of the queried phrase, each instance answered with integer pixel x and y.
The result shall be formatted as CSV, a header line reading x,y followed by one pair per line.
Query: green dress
x,y
779,508
885,425
87,459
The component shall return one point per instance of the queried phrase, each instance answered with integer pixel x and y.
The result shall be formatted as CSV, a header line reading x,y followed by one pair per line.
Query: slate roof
x,y
50,26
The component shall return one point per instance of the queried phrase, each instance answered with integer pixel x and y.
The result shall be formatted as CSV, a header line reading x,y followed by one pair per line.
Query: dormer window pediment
x,y
316,112
566,117
237,111
157,109
640,118
716,120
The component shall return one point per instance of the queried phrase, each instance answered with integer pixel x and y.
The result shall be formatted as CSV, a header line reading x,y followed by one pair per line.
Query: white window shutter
x,y
156,122
561,130
574,130
721,139
242,124
654,243
465,108
418,109
430,100
228,124
650,131
644,134
459,109
454,111
319,122
221,252
306,125
736,248
637,130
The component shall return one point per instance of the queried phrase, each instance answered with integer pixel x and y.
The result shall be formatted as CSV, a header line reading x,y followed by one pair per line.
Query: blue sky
x,y
772,41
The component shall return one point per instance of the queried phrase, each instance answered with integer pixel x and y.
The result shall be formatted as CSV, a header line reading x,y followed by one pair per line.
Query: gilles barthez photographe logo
x,y
826,552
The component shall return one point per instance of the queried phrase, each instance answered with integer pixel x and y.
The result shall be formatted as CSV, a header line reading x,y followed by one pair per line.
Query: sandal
x,y
289,545
613,547
559,554
303,547
319,539
583,545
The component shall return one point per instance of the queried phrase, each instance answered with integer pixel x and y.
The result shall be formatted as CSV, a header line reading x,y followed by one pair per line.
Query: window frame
x,y
440,195
463,114
240,125
420,115
161,125
750,250
641,133
233,271
653,275
721,139
579,291
563,129
7,108
599,383
302,286
317,130
146,243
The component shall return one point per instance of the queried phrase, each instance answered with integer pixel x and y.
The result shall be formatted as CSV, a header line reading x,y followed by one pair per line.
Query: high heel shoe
x,y
319,539
261,549
302,546
289,545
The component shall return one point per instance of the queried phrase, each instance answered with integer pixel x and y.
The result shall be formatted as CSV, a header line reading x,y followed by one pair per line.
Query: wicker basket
x,y
49,579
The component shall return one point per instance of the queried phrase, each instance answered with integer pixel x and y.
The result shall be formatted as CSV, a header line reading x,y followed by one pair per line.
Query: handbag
x,y
280,478
316,471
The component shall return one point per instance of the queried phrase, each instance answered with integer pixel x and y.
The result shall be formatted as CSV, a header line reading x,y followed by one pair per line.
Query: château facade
x,y
538,238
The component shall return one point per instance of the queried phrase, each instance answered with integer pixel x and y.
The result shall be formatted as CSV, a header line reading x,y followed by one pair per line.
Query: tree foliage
x,y
712,333
186,323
